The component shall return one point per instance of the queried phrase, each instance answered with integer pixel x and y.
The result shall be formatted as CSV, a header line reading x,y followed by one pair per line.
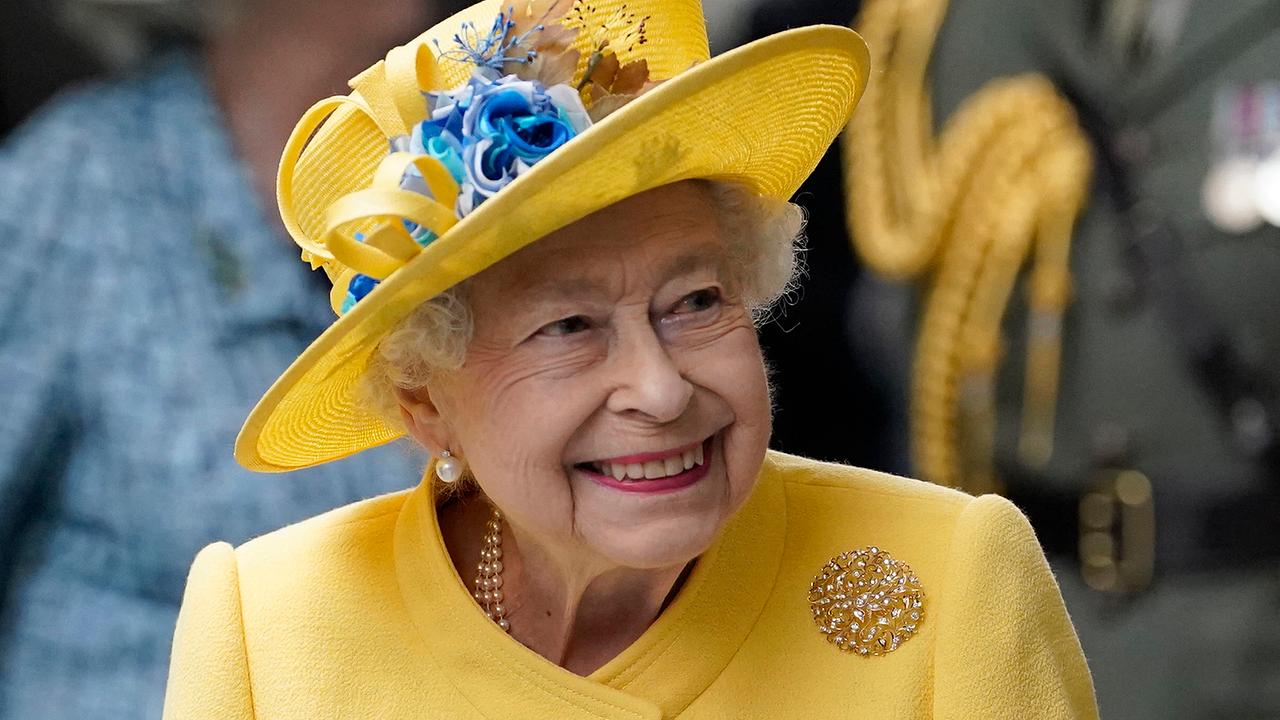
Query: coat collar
x,y
659,675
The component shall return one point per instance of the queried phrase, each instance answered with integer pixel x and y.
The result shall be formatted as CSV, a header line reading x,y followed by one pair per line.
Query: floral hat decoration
x,y
499,126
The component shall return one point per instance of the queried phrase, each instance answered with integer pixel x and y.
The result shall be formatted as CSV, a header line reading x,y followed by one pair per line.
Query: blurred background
x,y
1042,263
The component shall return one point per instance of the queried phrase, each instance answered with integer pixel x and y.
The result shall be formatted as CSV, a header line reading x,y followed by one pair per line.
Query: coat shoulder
x,y
340,525
833,483
341,558
833,508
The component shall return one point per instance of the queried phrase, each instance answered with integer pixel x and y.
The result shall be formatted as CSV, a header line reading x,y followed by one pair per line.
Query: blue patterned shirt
x,y
146,306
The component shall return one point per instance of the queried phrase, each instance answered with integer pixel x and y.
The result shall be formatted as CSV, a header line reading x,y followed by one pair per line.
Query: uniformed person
x,y
1156,484
1161,497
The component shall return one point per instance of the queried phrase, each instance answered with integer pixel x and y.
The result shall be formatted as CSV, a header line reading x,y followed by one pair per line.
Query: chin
x,y
659,544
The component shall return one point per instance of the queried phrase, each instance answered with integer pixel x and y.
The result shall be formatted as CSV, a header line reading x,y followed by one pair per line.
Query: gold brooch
x,y
866,602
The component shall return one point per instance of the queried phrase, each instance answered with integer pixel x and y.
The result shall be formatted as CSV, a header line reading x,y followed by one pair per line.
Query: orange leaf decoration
x,y
611,86
555,60
555,29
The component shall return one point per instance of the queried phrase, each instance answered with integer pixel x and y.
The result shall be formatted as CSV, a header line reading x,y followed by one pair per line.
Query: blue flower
x,y
527,132
514,124
361,285
357,289
432,139
449,152
488,132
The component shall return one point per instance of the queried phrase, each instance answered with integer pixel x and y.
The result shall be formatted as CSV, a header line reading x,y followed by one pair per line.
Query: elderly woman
x,y
551,283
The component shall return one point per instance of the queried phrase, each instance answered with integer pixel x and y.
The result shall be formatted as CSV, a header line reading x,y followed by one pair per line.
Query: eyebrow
x,y
699,257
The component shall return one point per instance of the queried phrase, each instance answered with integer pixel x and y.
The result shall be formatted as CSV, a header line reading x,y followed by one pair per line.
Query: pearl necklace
x,y
488,584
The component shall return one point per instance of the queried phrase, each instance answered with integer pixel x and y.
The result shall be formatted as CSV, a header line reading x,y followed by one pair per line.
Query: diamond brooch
x,y
867,603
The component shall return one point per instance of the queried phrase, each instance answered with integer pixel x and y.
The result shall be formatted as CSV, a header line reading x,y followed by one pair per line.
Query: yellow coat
x,y
359,613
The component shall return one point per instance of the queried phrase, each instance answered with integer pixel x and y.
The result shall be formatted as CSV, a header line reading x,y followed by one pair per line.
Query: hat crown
x,y
676,29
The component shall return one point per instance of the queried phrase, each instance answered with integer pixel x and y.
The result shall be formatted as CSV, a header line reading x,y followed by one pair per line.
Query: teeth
x,y
653,469
673,465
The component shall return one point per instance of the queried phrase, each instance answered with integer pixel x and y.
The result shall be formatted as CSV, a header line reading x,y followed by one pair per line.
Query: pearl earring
x,y
448,468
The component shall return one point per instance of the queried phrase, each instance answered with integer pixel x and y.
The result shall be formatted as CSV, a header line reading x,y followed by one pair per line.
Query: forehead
x,y
656,234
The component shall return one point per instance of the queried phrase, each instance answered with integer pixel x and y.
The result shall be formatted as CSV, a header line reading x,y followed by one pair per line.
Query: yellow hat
x,y
373,212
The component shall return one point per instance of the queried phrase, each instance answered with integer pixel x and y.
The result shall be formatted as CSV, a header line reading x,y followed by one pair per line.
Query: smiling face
x,y
613,399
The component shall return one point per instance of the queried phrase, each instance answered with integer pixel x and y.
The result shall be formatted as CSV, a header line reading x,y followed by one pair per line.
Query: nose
x,y
649,385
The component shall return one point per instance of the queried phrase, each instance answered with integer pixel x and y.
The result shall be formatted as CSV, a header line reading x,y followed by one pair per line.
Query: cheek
x,y
732,369
515,433
513,407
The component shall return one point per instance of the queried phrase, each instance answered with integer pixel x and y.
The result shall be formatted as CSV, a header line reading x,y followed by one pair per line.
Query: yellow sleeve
x,y
1005,648
209,670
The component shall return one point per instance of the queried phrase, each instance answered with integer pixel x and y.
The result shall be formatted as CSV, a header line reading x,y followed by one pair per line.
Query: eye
x,y
699,301
565,326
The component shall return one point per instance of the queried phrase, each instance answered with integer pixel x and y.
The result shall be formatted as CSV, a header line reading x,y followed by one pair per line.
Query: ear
x,y
423,420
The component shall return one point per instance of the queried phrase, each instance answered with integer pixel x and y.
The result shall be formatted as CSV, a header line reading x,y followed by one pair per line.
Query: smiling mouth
x,y
653,466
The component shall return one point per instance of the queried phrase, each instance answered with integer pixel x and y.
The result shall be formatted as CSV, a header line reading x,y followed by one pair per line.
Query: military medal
x,y
1241,190
1266,179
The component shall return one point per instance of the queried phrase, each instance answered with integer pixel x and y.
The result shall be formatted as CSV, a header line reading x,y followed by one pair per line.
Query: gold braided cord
x,y
960,215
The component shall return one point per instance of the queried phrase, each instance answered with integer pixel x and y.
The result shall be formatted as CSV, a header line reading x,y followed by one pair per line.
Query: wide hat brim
x,y
761,116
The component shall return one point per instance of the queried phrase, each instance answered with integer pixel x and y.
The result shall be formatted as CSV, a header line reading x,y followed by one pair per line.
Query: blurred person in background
x,y
149,300
1126,391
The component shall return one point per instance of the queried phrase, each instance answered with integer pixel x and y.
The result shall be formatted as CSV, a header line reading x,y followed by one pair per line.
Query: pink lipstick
x,y
668,483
